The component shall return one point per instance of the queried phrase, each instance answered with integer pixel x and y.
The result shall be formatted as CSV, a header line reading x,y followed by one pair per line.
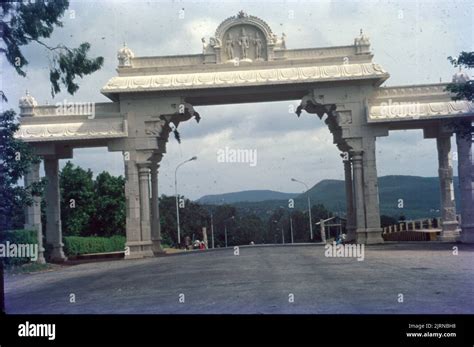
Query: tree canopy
x,y
22,23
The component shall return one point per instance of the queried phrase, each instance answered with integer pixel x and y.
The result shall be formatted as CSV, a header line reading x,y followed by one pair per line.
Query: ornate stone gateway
x,y
246,62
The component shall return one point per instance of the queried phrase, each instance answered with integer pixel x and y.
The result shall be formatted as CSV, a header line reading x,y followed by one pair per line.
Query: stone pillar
x,y
145,225
449,224
466,184
155,210
359,197
33,212
53,210
371,192
350,223
135,246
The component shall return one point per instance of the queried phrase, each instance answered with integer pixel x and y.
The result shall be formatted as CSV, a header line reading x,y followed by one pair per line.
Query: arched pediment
x,y
243,19
245,38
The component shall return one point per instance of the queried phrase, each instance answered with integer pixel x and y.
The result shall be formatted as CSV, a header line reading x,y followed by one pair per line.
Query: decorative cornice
x,y
219,79
417,110
90,129
411,91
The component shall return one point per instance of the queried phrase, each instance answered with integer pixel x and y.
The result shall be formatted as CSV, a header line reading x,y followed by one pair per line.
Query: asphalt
x,y
261,280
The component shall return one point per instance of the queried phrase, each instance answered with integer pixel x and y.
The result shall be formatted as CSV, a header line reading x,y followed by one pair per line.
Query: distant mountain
x,y
245,196
420,197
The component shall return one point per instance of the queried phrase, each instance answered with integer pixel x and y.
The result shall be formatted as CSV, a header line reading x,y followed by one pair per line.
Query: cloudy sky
x,y
410,39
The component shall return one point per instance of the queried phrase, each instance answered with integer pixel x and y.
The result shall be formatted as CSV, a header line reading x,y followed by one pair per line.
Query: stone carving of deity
x,y
229,47
244,44
258,46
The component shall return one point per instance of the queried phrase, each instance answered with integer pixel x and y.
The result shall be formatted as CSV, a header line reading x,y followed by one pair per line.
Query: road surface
x,y
392,278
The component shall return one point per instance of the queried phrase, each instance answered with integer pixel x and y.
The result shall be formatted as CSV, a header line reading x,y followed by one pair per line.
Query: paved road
x,y
259,280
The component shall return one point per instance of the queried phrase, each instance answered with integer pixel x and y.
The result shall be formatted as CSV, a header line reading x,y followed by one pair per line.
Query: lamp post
x,y
309,207
212,230
225,229
177,197
291,228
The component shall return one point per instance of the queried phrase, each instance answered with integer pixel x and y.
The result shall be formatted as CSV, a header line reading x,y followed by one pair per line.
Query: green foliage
x,y
386,221
77,245
25,22
72,63
15,159
192,218
91,207
462,91
108,217
20,236
77,199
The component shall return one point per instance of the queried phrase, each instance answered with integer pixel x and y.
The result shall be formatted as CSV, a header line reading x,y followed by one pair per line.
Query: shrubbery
x,y
18,237
73,245
77,245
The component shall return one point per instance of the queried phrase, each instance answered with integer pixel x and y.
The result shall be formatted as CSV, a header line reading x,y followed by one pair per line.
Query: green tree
x,y
15,159
25,22
386,221
108,217
77,200
223,220
168,220
462,91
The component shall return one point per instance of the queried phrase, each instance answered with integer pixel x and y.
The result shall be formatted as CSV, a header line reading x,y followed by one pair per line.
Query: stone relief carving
x,y
244,78
243,38
258,46
244,44
229,47
409,110
89,129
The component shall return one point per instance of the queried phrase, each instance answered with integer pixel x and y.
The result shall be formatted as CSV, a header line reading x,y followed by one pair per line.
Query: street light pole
x,y
291,228
212,230
177,197
309,207
225,231
225,228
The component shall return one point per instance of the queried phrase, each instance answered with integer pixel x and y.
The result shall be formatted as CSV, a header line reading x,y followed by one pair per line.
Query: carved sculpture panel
x,y
245,43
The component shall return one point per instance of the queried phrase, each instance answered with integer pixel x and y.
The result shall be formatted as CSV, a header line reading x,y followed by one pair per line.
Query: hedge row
x,y
77,245
20,236
73,245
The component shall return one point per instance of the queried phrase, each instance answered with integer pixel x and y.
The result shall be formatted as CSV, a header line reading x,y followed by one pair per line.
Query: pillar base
x,y
370,236
138,250
449,231
41,259
467,234
139,255
57,255
351,235
157,248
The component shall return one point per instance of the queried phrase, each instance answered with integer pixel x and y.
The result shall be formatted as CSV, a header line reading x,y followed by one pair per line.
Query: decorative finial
x,y
242,14
27,104
124,56
461,76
